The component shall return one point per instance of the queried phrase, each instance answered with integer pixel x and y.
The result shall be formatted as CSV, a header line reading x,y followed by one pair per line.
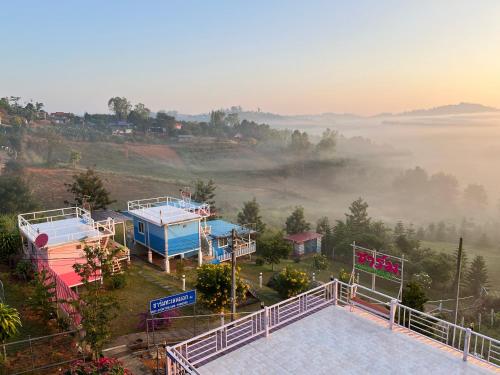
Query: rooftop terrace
x,y
337,328
64,225
167,210
336,341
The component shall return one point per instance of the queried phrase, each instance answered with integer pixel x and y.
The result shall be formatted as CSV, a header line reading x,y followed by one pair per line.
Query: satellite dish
x,y
41,240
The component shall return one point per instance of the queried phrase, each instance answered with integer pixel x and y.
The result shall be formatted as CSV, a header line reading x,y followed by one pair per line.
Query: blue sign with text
x,y
160,305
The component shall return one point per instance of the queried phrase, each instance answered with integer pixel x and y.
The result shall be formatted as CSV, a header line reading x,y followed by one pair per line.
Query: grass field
x,y
491,257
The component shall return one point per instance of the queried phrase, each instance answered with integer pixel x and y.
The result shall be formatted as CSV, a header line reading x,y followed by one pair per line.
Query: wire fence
x,y
41,355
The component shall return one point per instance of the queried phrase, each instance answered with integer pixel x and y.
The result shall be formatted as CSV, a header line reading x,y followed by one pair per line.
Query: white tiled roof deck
x,y
337,341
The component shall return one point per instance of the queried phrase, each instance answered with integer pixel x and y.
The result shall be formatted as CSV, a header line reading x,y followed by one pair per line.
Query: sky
x,y
290,57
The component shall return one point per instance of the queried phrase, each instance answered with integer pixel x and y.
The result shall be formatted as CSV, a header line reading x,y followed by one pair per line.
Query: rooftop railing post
x,y
468,333
266,320
392,312
335,291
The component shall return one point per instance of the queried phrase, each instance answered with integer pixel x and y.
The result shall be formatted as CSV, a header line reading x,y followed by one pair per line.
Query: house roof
x,y
303,237
164,214
222,228
118,217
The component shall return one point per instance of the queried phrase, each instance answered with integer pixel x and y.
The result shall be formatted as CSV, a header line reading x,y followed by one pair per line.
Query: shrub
x,y
117,281
259,262
296,258
108,366
24,270
320,262
344,276
162,320
290,282
214,285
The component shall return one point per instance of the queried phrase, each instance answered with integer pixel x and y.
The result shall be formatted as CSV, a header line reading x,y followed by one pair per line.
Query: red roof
x,y
72,279
303,237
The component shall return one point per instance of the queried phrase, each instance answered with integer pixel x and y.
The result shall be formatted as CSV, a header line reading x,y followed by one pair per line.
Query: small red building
x,y
305,242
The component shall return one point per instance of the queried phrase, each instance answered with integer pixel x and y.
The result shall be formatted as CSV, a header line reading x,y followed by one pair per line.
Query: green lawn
x,y
17,294
491,257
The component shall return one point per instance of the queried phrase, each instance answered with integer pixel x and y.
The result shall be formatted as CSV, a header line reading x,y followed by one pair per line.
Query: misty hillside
x,y
451,109
332,118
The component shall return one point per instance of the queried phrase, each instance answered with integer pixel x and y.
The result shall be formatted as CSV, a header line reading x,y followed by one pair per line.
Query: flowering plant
x,y
103,366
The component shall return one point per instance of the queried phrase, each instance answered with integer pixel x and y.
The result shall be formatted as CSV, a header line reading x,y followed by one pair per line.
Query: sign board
x,y
175,301
383,265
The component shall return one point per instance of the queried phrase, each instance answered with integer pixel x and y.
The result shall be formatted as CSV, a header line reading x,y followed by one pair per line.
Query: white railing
x,y
176,364
485,348
59,234
245,249
200,349
186,205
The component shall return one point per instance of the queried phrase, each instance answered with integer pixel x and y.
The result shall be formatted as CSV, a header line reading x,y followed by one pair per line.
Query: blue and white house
x,y
219,238
169,227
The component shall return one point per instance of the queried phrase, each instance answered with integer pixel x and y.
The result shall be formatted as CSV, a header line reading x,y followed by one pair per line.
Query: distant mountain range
x,y
330,117
451,109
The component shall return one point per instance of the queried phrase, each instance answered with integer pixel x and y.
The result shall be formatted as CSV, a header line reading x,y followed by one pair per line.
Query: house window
x,y
223,242
140,227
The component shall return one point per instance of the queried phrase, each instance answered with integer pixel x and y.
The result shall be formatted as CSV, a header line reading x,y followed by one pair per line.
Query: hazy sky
x,y
282,56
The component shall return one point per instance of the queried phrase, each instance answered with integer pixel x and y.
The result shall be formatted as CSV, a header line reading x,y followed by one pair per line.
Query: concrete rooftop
x,y
337,341
66,230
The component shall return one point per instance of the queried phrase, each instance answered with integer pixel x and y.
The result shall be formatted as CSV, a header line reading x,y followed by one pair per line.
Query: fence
x,y
183,358
40,355
64,294
174,329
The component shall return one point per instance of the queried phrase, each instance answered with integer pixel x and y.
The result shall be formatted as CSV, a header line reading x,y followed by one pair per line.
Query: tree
x,y
120,106
204,192
323,227
290,282
477,277
272,247
414,296
74,158
296,222
358,218
320,262
15,196
326,146
140,116
96,307
475,197
214,284
10,321
88,187
250,215
44,298
217,118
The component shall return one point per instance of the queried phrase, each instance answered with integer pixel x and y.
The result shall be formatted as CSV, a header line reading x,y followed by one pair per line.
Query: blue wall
x,y
183,237
156,238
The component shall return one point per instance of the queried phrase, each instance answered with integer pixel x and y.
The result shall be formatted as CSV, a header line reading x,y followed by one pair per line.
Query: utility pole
x,y
233,274
459,271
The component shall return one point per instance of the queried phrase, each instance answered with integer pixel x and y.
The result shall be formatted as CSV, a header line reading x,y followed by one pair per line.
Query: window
x,y
223,242
140,227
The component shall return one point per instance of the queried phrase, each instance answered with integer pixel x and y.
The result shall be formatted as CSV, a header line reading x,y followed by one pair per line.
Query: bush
x,y
24,270
259,262
109,366
320,262
296,258
117,281
344,276
290,282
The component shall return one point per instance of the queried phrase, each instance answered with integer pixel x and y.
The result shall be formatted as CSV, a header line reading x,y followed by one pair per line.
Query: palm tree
x,y
10,321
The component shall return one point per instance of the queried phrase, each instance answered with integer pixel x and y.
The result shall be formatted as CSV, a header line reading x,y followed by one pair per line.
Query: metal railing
x,y
201,348
142,205
245,249
41,354
59,234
